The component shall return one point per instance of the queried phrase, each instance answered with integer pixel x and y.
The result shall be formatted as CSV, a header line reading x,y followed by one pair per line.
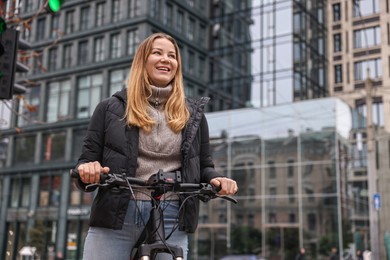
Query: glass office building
x,y
291,164
289,61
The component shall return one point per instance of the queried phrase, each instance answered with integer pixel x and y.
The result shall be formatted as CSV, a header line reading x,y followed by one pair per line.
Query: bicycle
x,y
160,183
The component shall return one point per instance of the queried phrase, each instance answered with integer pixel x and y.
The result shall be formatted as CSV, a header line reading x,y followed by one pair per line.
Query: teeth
x,y
165,69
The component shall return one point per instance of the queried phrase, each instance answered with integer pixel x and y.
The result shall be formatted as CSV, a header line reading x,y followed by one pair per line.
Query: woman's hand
x,y
90,172
228,186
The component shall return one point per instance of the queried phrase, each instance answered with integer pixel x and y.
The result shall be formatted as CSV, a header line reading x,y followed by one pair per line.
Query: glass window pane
x,y
24,149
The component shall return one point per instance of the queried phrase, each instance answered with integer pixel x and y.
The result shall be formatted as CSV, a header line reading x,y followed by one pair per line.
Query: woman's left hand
x,y
228,186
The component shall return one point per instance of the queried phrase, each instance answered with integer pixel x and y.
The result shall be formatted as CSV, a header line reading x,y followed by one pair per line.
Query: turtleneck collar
x,y
159,95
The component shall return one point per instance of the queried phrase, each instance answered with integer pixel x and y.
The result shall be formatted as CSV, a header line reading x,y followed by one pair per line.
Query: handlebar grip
x,y
75,174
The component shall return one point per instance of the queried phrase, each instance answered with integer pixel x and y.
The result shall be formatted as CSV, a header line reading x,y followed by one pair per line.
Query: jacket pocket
x,y
109,208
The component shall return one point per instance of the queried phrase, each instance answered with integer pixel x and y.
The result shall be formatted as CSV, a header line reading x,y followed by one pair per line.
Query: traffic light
x,y
8,47
54,6
3,27
10,43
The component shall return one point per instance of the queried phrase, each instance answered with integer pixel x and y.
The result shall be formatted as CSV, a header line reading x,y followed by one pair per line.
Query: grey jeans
x,y
106,244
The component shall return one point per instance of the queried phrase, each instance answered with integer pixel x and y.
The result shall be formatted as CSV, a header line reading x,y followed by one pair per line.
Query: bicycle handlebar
x,y
161,182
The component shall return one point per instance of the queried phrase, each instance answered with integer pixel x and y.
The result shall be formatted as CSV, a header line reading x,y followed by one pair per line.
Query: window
x,y
115,46
367,37
58,101
117,80
98,49
312,221
100,13
191,62
53,147
155,9
38,67
337,45
24,149
77,142
338,73
291,218
132,41
190,3
82,57
377,112
336,12
202,35
180,21
116,11
69,22
28,5
133,8
272,193
374,65
67,60
189,90
365,7
290,168
201,68
191,29
49,191
272,217
291,195
168,15
52,62
30,106
272,169
20,192
77,197
84,18
89,94
41,29
54,26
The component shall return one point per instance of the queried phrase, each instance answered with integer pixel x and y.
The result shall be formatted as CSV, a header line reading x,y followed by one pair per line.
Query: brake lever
x,y
210,192
227,198
92,185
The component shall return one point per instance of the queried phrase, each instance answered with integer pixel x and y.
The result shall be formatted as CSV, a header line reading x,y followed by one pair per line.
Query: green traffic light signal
x,y
54,5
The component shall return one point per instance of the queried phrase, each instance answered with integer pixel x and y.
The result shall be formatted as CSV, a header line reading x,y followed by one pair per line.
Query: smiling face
x,y
161,64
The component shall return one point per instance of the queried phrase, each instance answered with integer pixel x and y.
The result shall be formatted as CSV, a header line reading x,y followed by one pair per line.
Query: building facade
x,y
259,53
359,74
289,59
80,56
292,161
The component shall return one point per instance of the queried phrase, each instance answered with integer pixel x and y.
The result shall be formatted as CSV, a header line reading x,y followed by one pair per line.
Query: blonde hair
x,y
139,90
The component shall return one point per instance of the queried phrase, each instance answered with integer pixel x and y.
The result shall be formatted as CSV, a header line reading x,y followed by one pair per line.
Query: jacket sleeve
x,y
93,145
206,163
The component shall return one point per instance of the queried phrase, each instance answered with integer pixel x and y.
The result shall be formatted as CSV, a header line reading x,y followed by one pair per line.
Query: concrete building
x,y
358,49
81,55
259,53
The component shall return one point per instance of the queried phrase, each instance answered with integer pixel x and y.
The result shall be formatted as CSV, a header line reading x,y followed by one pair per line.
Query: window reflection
x,y
49,190
24,149
20,192
53,147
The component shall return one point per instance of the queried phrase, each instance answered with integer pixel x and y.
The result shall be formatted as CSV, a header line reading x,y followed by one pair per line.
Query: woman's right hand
x,y
90,172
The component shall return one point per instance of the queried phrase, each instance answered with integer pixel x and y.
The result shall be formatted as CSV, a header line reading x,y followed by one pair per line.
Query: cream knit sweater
x,y
159,149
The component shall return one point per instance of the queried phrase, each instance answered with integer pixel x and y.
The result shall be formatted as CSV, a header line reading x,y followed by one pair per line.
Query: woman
x,y
147,127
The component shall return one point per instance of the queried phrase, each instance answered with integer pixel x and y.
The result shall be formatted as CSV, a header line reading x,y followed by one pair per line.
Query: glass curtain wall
x,y
291,171
288,62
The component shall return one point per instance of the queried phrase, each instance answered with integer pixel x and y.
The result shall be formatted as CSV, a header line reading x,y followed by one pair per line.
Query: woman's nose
x,y
165,58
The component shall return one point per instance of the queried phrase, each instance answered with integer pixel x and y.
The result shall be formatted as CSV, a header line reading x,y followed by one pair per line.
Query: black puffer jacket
x,y
115,145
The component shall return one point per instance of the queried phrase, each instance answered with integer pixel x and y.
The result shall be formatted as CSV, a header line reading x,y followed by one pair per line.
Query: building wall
x,y
361,29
